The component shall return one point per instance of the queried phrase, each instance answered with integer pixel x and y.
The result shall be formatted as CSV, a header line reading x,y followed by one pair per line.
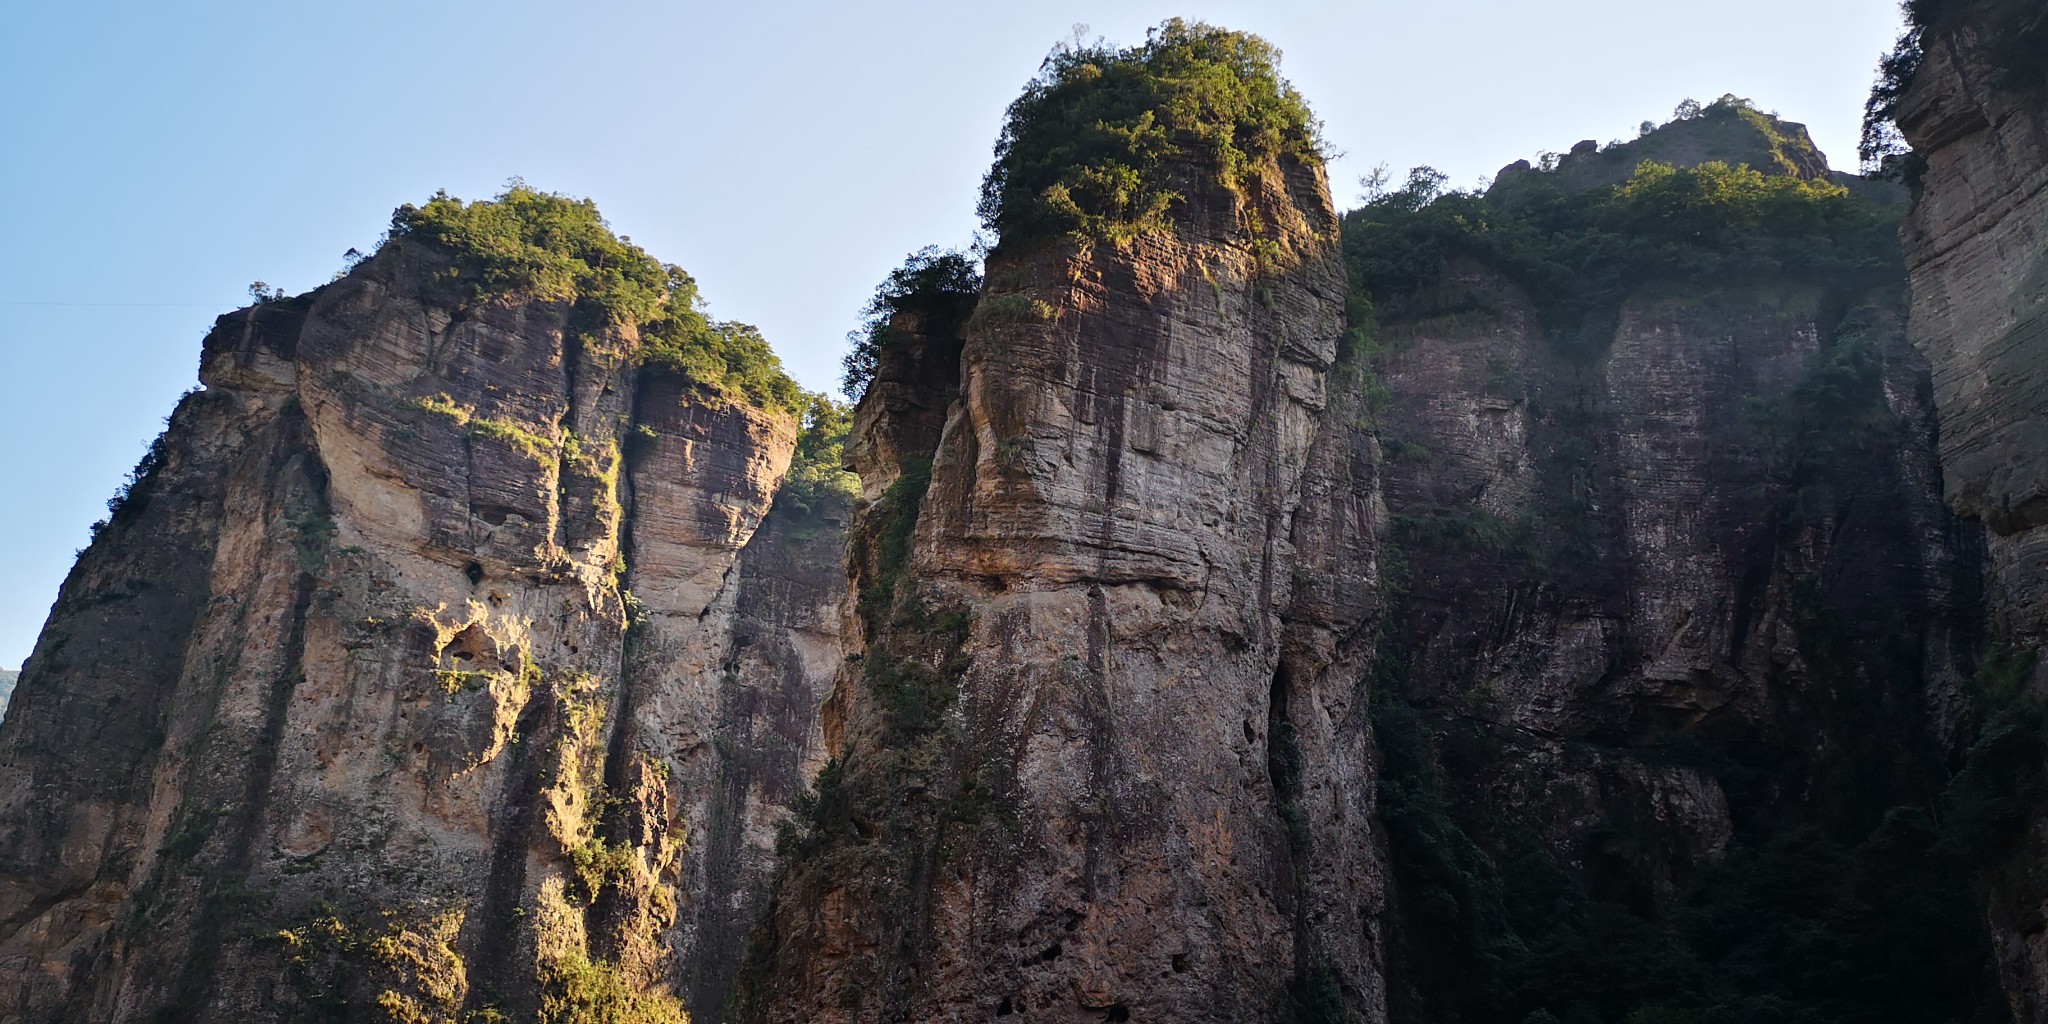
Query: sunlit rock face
x,y
1103,752
405,682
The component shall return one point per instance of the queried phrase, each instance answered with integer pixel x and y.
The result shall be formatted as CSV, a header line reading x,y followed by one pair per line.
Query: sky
x,y
161,157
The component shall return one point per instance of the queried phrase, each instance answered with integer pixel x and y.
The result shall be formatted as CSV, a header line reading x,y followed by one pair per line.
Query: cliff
x,y
1608,597
395,683
1101,752
1684,621
1975,109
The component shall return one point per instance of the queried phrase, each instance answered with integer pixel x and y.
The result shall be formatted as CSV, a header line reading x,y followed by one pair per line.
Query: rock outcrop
x,y
1609,604
1679,597
1977,248
428,672
1101,752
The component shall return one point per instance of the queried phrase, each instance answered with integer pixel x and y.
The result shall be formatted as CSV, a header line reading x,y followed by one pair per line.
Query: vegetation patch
x,y
817,472
1105,143
512,434
935,287
1580,253
408,968
555,248
2010,36
579,990
501,430
132,496
1012,309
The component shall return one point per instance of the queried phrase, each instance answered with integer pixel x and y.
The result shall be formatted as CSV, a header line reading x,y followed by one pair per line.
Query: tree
x,y
940,284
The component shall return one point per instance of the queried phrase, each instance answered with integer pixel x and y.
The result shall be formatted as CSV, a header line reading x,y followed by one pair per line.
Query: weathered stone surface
x,y
1977,249
1090,819
400,684
1649,614
785,647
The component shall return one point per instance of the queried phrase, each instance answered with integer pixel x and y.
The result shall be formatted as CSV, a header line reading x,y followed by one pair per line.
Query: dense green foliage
x,y
555,248
729,359
938,287
817,473
1581,253
1104,142
579,990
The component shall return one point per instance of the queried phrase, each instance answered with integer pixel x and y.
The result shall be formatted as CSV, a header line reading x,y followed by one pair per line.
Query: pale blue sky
x,y
159,157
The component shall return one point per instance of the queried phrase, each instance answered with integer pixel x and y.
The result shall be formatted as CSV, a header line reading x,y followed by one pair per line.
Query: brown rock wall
x,y
404,677
1059,787
1977,248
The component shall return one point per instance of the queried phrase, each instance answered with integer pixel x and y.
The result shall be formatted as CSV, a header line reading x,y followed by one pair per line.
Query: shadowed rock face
x,y
1666,603
1629,613
348,709
447,662
1098,758
1977,249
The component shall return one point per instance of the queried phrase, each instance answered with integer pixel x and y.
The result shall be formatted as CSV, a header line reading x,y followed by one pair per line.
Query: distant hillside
x,y
7,679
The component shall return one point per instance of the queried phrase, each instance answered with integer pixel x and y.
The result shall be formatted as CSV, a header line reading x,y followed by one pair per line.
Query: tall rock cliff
x,y
1977,247
1101,753
1606,597
1975,109
1670,695
429,630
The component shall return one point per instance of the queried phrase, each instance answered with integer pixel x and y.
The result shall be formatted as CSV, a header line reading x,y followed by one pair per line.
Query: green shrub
x,y
545,245
579,990
560,249
1104,141
1580,253
729,359
817,475
131,497
1012,309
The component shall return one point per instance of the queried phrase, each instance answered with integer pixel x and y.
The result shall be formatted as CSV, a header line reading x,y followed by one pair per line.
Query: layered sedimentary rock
x,y
1977,249
1203,650
1101,754
765,743
1686,599
395,687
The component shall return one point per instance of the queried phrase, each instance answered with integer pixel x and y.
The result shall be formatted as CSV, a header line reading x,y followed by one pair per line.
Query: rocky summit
x,y
1610,596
